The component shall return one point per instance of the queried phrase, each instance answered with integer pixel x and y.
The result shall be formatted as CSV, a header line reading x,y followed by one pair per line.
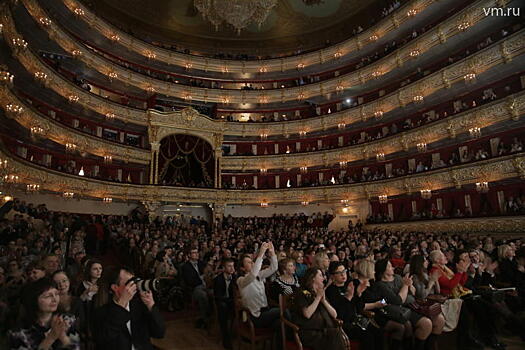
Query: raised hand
x,y
407,280
362,286
58,327
350,289
435,275
271,248
319,292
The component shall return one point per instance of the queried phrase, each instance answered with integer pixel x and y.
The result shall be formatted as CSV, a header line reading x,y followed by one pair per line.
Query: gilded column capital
x,y
155,146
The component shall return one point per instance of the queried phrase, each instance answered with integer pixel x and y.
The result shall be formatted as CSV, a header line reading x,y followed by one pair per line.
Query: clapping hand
x,y
435,275
93,288
462,266
319,292
407,280
362,286
350,289
58,328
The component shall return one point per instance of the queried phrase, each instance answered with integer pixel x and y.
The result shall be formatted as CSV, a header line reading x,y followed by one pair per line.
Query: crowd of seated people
x,y
514,205
366,174
372,277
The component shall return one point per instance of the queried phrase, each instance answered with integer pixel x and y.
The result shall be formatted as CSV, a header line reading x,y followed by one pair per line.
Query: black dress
x,y
349,311
320,331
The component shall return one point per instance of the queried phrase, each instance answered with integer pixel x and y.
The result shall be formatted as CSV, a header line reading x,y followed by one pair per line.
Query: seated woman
x,y
286,283
346,300
365,270
90,281
43,327
475,310
315,316
68,303
424,284
398,291
87,291
300,266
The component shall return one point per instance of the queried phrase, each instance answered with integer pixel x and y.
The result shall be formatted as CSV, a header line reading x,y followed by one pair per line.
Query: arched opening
x,y
186,160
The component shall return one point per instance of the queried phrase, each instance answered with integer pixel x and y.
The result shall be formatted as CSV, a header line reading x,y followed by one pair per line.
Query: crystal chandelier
x,y
238,13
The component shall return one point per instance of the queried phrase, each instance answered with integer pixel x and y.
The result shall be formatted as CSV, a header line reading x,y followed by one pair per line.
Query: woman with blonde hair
x,y
475,311
365,270
322,262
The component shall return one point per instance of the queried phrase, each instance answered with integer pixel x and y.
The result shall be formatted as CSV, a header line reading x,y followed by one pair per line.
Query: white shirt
x,y
251,286
128,325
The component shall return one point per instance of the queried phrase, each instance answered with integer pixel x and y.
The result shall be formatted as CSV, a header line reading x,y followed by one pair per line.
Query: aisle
x,y
182,335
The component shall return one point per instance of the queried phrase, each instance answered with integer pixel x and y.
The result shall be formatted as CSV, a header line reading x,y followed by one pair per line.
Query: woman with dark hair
x,y
88,291
398,291
347,300
68,303
424,284
315,316
90,283
43,327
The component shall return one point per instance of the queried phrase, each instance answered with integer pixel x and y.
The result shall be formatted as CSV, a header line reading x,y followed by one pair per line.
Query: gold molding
x,y
481,61
208,64
489,170
61,134
106,67
186,121
482,116
502,225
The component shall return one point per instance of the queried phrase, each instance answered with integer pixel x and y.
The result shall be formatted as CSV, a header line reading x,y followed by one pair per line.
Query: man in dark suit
x,y
193,278
223,286
126,322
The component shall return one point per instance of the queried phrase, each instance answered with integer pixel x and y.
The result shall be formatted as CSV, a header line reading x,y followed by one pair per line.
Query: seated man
x,y
251,287
127,322
223,286
193,278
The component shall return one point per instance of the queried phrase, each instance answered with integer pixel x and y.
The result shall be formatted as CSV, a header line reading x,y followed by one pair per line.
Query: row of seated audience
x,y
370,280
55,61
513,206
349,175
388,129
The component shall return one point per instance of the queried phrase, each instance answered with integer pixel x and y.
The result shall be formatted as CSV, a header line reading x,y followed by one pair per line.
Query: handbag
x,y
361,322
426,308
395,313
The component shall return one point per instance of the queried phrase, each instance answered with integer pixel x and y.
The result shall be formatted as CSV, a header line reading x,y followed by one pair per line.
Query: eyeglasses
x,y
340,272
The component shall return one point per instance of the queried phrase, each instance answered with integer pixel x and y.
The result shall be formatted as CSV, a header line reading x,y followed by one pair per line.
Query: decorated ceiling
x,y
291,25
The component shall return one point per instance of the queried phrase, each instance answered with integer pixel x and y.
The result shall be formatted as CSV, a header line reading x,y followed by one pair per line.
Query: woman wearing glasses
x,y
346,299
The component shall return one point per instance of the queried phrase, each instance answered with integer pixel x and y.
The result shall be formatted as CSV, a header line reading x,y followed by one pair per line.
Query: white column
x,y
255,184
277,181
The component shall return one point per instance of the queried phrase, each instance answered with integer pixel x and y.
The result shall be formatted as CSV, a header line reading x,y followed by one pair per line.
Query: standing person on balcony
x,y
252,289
